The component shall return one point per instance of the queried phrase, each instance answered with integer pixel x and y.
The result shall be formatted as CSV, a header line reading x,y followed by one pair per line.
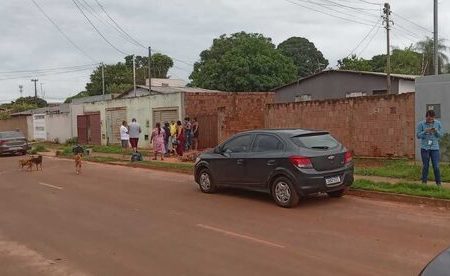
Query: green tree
x,y
403,61
406,61
119,76
354,63
242,62
306,56
161,65
426,48
37,102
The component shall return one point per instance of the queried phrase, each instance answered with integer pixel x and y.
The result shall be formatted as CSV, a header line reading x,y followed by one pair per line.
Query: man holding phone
x,y
429,132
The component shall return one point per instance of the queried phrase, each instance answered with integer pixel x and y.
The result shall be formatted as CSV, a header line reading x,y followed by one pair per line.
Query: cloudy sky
x,y
182,29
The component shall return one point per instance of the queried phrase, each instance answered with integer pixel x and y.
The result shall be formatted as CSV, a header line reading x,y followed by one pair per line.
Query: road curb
x,y
416,200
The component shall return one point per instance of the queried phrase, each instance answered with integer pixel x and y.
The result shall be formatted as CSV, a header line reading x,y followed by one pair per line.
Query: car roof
x,y
12,132
291,132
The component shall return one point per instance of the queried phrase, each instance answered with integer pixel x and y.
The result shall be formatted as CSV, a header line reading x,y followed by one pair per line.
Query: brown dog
x,y
37,160
78,159
25,163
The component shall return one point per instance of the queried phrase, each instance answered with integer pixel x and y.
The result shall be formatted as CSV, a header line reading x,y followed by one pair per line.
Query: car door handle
x,y
240,161
271,162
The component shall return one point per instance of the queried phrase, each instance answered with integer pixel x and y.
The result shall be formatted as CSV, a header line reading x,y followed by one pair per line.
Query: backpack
x,y
136,157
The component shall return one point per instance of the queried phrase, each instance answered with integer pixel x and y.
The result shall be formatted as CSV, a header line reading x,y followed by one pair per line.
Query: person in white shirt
x,y
134,130
124,137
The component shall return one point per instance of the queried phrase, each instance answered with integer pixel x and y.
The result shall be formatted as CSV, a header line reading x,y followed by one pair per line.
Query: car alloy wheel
x,y
282,192
206,182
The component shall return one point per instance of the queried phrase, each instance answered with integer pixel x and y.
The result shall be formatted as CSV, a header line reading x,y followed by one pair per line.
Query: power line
x,y
134,41
50,69
327,6
370,3
365,37
370,41
329,14
62,32
44,74
96,29
406,31
117,25
350,7
84,4
412,22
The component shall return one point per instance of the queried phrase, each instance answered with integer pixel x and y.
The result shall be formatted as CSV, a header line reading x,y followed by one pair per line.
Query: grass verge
x,y
402,169
107,149
176,167
403,189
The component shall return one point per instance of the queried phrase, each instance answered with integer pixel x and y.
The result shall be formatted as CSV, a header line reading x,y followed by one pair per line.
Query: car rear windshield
x,y
315,141
11,134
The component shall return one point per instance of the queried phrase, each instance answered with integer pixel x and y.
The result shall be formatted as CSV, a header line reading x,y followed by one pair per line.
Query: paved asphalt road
x,y
113,220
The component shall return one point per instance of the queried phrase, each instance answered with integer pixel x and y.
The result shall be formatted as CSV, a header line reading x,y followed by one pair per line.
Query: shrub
x,y
40,148
72,141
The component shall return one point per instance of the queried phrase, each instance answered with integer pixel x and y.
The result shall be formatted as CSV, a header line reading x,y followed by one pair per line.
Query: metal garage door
x,y
114,119
82,129
165,115
94,134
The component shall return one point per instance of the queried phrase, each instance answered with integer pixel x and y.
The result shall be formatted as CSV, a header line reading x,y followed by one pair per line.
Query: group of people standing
x,y
175,137
168,138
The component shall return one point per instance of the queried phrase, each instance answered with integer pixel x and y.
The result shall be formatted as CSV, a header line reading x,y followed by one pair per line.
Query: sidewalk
x,y
119,156
391,180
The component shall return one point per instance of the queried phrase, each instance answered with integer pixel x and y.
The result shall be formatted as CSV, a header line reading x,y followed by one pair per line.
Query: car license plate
x,y
333,180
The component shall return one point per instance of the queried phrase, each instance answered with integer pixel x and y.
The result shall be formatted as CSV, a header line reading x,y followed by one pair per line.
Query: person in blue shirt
x,y
429,132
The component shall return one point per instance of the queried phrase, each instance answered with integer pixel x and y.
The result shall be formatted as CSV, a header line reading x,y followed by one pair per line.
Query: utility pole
x,y
103,79
436,39
35,87
387,13
42,91
150,69
21,90
134,75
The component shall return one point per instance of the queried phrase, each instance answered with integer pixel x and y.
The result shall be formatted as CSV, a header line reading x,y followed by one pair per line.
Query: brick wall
x,y
14,123
370,126
234,112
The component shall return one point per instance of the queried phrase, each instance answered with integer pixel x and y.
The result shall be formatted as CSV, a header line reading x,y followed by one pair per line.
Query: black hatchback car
x,y
13,142
287,163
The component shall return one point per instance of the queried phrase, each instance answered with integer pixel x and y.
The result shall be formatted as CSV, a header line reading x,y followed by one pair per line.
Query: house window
x,y
379,92
39,117
303,98
39,128
355,94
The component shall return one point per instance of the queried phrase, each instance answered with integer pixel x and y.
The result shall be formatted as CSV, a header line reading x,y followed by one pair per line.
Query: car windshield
x,y
10,134
315,141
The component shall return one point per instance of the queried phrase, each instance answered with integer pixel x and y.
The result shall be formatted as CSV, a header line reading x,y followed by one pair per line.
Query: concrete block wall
x,y
376,126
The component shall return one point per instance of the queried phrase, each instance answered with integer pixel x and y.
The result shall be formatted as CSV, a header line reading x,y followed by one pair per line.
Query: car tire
x,y
205,182
339,193
284,193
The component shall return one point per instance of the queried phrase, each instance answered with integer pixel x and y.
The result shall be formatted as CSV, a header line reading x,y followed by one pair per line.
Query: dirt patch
x,y
414,200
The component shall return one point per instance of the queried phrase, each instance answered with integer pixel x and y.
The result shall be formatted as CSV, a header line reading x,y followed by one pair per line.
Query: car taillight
x,y
301,162
348,157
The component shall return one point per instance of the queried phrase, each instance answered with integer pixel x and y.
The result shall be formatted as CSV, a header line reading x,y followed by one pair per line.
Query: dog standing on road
x,y
78,159
25,163
37,160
